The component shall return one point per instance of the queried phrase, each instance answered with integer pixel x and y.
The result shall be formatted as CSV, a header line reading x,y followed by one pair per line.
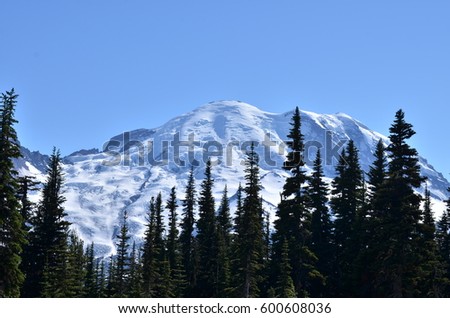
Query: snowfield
x,y
134,166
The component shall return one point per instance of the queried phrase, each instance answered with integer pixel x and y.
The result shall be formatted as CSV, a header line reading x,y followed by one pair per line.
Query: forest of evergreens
x,y
365,235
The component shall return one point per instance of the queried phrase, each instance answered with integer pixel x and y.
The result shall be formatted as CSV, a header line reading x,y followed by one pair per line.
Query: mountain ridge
x,y
134,166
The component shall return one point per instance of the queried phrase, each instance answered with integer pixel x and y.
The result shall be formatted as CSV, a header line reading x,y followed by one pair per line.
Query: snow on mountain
x,y
134,166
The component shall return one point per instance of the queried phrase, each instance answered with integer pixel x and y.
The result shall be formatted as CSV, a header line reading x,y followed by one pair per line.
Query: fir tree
x,y
173,247
321,227
224,227
49,239
163,283
347,203
443,241
134,282
285,285
90,280
398,264
432,276
187,239
76,273
12,234
122,266
250,239
149,252
207,282
293,221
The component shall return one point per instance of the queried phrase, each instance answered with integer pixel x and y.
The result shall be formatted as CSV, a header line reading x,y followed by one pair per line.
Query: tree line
x,y
365,235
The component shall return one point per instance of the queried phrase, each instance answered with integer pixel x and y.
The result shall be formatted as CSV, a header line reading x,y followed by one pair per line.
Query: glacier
x,y
131,167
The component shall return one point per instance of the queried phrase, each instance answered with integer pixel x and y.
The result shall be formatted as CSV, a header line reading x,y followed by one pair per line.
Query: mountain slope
x,y
134,166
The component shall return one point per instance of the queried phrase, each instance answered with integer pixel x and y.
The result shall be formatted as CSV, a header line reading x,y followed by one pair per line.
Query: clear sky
x,y
88,70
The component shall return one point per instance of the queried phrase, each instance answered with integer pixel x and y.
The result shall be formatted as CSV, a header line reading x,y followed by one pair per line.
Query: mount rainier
x,y
134,166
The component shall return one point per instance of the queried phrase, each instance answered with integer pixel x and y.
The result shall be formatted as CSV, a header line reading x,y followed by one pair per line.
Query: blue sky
x,y
88,70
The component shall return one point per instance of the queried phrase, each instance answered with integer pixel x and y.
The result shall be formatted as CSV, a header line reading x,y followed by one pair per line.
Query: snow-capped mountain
x,y
134,166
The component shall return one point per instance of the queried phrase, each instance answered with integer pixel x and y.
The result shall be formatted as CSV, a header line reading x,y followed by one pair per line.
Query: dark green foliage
x,y
134,283
154,258
432,281
250,237
224,227
285,285
321,227
293,222
398,264
207,280
173,247
76,273
122,265
49,239
187,239
443,241
12,233
347,205
90,280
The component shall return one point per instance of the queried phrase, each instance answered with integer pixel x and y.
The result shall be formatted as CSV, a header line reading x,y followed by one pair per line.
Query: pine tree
x,y
149,252
49,239
374,227
398,264
321,227
224,227
235,258
101,279
12,234
432,276
163,283
207,281
90,280
122,266
285,285
347,203
173,247
134,283
293,221
250,239
443,241
187,239
76,274
27,210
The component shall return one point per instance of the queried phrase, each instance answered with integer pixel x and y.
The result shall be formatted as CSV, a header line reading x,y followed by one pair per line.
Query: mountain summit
x,y
134,166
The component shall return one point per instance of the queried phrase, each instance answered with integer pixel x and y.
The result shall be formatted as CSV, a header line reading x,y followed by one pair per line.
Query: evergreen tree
x,y
76,274
250,239
122,265
373,226
149,252
12,234
187,239
398,264
285,285
443,241
101,279
207,281
27,210
293,222
377,172
432,276
347,203
49,239
163,283
235,258
90,280
321,227
173,247
224,227
134,282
